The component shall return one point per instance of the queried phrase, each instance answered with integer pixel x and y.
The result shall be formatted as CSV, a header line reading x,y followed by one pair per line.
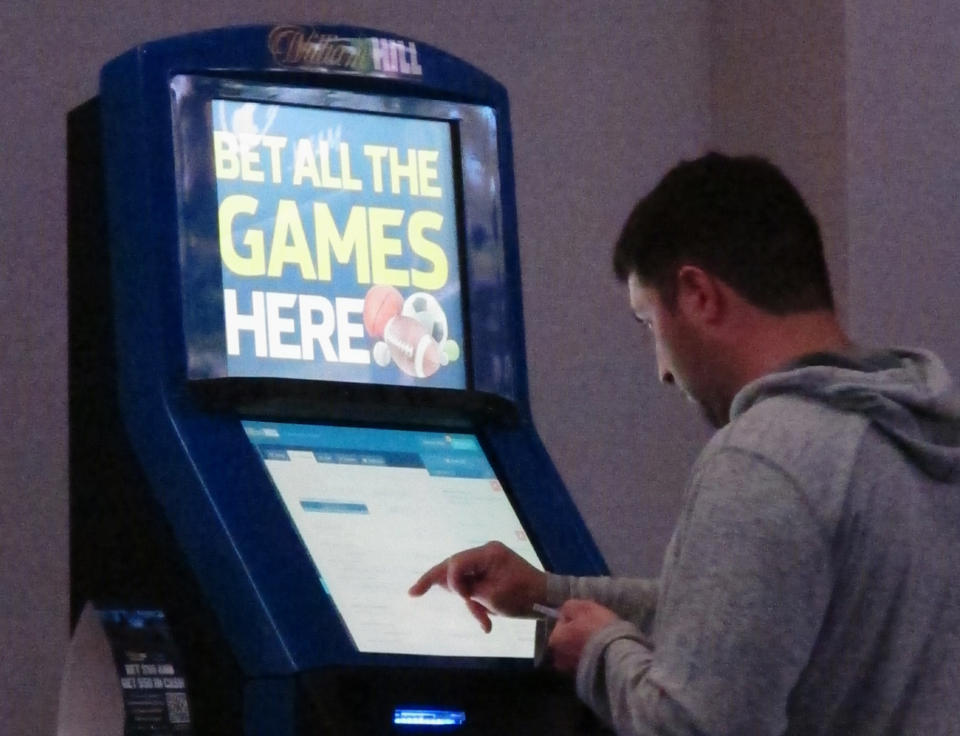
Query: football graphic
x,y
412,348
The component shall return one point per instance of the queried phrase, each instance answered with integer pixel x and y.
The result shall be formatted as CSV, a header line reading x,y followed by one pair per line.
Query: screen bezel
x,y
473,130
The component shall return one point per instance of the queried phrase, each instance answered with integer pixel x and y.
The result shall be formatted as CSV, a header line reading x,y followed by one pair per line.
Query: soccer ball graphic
x,y
427,311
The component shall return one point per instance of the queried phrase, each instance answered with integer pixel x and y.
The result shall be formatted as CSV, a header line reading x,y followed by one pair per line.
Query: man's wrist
x,y
556,590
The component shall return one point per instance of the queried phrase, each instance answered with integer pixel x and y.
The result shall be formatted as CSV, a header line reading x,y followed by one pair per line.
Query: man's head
x,y
738,218
719,247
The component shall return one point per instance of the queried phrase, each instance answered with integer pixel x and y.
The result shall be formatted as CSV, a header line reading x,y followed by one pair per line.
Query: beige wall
x,y
778,89
903,163
858,101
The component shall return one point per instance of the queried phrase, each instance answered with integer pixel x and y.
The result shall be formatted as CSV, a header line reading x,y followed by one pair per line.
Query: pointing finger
x,y
436,575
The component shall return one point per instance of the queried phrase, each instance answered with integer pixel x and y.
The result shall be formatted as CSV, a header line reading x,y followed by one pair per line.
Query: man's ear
x,y
699,294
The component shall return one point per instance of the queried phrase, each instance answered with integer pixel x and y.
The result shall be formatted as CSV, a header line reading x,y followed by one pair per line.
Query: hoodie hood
x,y
906,394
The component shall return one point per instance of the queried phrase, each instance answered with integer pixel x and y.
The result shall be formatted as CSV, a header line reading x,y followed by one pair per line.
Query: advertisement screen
x,y
375,509
338,244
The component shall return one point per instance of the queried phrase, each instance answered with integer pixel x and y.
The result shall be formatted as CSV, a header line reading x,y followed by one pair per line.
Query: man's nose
x,y
666,376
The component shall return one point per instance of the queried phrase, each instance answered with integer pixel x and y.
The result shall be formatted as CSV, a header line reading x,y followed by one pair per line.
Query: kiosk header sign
x,y
338,242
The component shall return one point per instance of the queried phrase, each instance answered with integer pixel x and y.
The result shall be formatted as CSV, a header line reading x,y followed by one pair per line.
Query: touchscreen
x,y
376,508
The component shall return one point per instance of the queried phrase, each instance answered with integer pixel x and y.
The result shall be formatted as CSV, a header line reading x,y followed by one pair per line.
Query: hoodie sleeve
x,y
745,586
632,599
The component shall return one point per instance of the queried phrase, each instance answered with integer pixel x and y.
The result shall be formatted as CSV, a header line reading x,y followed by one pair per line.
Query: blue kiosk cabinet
x,y
297,380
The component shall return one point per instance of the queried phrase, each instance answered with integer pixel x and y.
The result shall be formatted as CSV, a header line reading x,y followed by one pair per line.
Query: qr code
x,y
177,708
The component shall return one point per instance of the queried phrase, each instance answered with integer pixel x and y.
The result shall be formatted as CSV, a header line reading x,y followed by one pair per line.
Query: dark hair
x,y
738,218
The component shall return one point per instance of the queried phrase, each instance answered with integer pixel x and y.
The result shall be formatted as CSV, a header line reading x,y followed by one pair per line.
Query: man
x,y
810,584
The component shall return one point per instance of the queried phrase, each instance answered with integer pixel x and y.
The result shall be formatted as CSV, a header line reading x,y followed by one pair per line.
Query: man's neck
x,y
772,341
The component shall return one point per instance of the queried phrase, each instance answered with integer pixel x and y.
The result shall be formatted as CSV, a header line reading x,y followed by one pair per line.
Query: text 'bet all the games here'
x,y
338,245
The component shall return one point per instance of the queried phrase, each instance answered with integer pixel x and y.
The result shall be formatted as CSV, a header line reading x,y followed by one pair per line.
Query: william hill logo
x,y
304,47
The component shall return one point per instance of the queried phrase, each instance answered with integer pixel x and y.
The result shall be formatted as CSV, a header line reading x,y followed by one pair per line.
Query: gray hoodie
x,y
811,584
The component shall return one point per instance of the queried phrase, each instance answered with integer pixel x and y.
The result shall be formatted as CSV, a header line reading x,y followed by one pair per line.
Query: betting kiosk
x,y
298,380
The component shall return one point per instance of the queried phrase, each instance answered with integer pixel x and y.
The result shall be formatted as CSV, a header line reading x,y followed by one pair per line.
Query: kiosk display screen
x,y
322,234
376,508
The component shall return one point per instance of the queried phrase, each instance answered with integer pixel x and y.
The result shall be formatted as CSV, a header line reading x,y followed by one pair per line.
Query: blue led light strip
x,y
428,717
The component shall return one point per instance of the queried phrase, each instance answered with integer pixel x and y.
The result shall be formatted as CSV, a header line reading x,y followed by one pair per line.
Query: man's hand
x,y
492,579
578,621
